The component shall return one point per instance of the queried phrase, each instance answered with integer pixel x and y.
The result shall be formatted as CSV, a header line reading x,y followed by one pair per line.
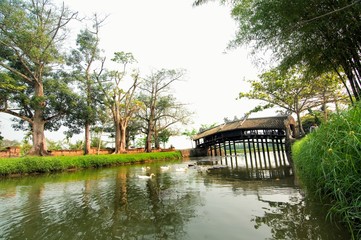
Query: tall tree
x,y
31,34
295,91
161,110
83,60
329,91
323,35
169,113
122,103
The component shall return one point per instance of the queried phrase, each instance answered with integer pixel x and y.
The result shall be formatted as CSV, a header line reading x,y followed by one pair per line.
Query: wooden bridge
x,y
263,142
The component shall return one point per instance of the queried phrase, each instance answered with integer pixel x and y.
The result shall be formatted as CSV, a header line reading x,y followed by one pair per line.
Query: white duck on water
x,y
146,176
145,169
164,168
181,169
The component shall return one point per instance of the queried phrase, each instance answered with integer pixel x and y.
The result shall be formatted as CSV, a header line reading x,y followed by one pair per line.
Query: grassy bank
x,y
29,165
328,163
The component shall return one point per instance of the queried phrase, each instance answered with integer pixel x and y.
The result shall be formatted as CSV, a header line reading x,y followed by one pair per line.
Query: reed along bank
x,y
328,164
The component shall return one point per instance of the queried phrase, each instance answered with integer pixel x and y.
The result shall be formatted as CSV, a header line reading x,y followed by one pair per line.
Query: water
x,y
113,203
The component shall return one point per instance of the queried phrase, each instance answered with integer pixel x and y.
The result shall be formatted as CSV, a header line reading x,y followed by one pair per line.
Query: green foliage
x,y
190,133
26,165
25,148
120,102
124,58
95,141
307,121
8,83
25,144
31,35
161,110
205,127
321,35
83,62
164,136
140,142
328,163
54,145
79,144
293,90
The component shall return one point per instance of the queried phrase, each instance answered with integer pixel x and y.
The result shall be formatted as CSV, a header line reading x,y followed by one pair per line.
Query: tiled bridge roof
x,y
278,122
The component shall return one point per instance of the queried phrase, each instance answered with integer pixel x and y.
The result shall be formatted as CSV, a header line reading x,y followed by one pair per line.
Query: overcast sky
x,y
172,34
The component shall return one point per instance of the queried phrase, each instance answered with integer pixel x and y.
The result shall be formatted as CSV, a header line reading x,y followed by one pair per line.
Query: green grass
x,y
328,162
29,165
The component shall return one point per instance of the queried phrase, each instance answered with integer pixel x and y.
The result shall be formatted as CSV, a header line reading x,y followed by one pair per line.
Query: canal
x,y
199,198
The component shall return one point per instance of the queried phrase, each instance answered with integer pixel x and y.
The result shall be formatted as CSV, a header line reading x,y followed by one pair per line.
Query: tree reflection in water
x,y
153,209
96,205
297,219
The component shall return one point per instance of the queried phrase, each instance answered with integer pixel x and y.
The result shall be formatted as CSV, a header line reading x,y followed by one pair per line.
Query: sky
x,y
172,34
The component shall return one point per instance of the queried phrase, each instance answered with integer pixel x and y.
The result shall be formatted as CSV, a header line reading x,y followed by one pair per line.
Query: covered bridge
x,y
253,138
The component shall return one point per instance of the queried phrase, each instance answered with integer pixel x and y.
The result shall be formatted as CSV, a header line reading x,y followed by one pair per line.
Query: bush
x,y
328,162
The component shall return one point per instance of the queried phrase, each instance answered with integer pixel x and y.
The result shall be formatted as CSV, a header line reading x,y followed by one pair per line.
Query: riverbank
x,y
34,165
328,163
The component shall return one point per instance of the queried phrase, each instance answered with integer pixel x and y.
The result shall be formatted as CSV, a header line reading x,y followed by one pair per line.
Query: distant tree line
x,y
45,84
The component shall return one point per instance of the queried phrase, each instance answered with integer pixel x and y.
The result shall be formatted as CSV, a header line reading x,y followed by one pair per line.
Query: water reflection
x,y
223,202
244,169
296,219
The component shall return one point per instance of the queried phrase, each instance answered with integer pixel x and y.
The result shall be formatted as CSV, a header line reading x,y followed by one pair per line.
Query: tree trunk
x,y
116,120
38,125
156,140
128,139
117,137
123,124
148,144
123,128
150,126
87,139
39,141
301,131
